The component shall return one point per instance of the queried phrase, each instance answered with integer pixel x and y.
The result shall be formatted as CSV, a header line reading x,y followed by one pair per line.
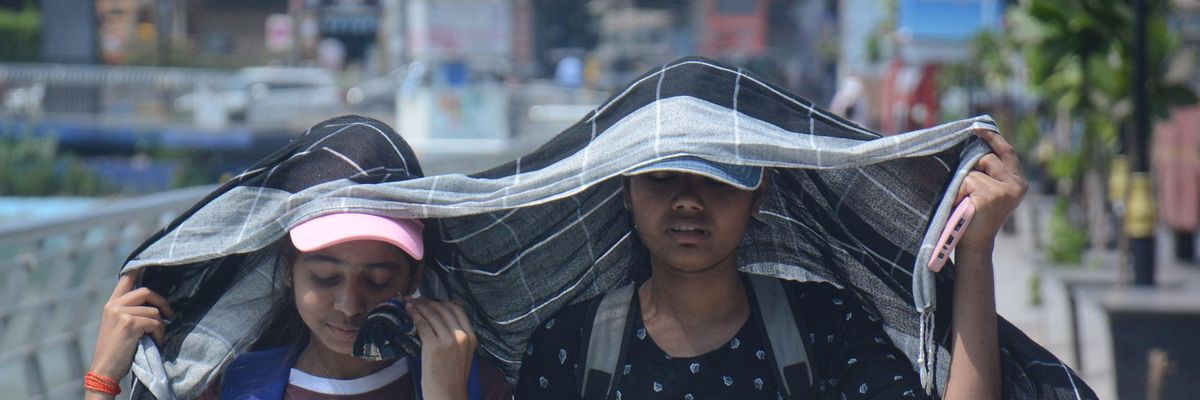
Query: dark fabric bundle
x,y
522,240
387,334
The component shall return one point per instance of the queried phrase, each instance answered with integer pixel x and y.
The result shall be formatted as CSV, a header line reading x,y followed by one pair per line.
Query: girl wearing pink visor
x,y
336,270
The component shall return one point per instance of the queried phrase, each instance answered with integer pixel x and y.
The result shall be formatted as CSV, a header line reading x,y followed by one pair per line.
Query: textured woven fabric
x,y
524,239
388,333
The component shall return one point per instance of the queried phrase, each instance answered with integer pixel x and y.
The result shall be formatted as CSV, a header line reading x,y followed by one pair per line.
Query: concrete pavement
x,y
1071,320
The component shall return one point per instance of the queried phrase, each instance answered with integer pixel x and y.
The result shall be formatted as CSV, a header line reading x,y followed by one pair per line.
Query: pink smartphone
x,y
959,219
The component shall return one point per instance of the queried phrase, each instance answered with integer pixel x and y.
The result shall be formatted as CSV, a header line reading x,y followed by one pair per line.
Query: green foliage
x,y
1027,134
31,166
28,166
875,45
191,172
1066,165
1066,241
1080,59
989,58
193,168
20,34
1080,55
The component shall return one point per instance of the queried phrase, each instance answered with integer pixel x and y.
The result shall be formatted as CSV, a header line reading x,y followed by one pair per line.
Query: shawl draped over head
x,y
524,239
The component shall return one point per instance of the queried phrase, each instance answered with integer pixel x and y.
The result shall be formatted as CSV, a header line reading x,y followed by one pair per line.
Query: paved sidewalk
x,y
1016,263
1018,260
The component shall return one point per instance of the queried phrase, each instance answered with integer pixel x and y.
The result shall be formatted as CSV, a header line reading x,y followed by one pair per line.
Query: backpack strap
x,y
788,354
259,375
474,385
606,343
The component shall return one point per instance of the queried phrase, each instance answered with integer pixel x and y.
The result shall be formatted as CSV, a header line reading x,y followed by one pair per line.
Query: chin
x,y
692,264
337,346
344,350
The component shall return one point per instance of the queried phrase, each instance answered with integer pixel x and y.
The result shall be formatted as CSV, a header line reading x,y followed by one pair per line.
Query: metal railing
x,y
261,98
98,94
56,274
154,98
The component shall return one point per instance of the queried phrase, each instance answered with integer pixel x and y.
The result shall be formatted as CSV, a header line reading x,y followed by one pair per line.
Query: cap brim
x,y
743,177
329,230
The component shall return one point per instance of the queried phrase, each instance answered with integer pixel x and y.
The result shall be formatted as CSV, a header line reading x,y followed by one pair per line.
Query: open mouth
x,y
687,233
687,229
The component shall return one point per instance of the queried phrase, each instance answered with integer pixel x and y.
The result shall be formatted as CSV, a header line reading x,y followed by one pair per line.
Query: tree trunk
x,y
1099,224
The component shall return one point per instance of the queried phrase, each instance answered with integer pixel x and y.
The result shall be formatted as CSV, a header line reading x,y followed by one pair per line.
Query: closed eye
x,y
326,280
379,285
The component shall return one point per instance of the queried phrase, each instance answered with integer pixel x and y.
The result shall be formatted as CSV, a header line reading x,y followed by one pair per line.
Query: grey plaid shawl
x,y
524,239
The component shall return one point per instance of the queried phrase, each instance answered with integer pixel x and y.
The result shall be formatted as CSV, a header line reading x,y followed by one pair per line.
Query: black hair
x,y
638,263
286,328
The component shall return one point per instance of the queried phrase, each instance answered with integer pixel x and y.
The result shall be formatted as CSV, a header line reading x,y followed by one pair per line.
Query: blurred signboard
x,y
735,27
940,29
476,113
949,19
456,28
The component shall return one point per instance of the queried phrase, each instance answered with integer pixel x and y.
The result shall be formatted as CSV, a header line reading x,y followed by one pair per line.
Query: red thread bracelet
x,y
99,387
102,384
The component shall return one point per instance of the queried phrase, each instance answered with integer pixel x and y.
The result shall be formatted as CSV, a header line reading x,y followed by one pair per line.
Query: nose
x,y
350,300
689,196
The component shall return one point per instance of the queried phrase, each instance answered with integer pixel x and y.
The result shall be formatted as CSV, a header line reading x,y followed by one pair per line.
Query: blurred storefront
x,y
932,33
459,54
899,56
792,44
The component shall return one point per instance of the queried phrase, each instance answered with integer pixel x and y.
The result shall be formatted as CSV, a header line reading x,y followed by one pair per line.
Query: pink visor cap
x,y
321,232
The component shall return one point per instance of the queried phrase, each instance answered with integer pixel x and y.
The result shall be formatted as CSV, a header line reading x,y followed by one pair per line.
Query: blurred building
x,y
1185,18
233,28
899,54
792,44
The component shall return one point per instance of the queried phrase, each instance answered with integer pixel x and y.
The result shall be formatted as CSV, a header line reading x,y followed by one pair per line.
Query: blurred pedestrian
x,y
1176,155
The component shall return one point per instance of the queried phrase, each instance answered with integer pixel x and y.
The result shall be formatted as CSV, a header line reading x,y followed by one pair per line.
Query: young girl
x,y
334,269
695,326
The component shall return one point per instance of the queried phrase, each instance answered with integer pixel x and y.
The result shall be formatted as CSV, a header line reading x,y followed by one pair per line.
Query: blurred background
x,y
116,115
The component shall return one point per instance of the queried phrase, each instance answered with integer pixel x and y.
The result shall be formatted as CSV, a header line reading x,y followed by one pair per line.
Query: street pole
x,y
164,16
1141,218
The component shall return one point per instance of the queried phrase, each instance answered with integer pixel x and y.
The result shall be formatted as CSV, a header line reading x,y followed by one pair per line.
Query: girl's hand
x,y
996,186
447,347
127,316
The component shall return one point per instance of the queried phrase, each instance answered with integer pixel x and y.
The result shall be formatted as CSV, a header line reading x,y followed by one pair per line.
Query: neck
x,y
318,360
695,299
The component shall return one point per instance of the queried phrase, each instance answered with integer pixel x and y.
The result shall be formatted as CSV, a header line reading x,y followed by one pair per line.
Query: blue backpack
x,y
263,375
